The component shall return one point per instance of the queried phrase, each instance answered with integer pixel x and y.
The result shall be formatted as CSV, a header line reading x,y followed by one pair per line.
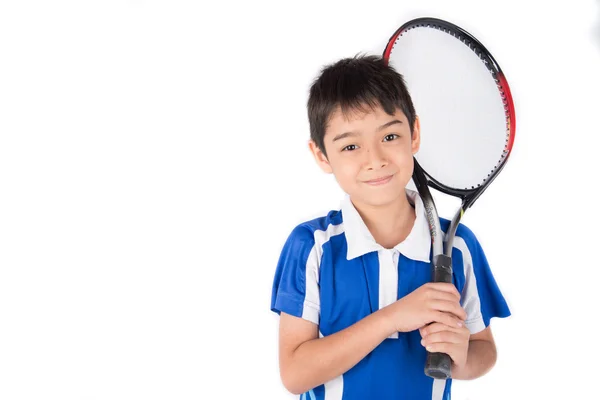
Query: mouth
x,y
379,181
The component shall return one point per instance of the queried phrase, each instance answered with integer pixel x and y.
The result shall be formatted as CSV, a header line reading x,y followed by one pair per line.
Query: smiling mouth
x,y
380,181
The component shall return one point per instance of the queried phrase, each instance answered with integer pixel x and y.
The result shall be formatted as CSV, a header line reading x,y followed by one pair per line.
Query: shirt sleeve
x,y
481,297
296,283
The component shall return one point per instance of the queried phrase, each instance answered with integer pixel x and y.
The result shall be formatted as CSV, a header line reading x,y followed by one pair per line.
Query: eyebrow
x,y
352,133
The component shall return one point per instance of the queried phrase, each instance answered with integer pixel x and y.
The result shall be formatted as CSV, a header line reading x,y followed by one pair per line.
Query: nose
x,y
375,158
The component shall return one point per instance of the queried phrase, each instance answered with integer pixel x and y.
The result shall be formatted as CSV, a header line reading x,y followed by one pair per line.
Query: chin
x,y
380,197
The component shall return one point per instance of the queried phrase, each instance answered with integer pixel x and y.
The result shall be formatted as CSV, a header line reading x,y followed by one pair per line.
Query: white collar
x,y
416,246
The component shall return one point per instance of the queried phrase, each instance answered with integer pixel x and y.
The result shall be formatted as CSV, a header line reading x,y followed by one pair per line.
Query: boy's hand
x,y
441,338
432,302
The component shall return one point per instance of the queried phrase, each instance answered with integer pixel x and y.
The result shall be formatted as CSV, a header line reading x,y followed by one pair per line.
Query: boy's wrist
x,y
458,372
389,323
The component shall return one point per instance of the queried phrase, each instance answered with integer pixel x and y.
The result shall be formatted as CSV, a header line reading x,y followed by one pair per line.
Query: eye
x,y
350,147
391,136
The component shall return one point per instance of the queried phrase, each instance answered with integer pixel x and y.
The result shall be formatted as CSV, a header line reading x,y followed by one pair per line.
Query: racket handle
x,y
439,365
442,268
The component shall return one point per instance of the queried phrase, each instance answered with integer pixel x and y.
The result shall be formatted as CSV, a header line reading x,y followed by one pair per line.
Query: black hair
x,y
358,83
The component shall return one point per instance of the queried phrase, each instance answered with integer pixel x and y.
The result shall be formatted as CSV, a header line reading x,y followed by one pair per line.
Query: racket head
x,y
464,103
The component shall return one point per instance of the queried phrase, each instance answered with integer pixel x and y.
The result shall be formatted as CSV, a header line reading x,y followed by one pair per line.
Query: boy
x,y
357,309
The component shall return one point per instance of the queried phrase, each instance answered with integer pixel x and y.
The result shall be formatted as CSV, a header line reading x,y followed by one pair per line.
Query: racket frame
x,y
438,365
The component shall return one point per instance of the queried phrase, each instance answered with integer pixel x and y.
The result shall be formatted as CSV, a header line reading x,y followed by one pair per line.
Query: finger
x,y
448,336
444,287
449,307
447,348
438,327
431,328
446,319
443,295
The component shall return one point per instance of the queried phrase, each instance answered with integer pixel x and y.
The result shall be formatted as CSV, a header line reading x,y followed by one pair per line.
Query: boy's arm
x,y
472,355
481,356
482,300
307,361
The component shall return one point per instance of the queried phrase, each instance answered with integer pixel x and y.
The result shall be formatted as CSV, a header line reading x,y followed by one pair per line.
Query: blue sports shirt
x,y
332,272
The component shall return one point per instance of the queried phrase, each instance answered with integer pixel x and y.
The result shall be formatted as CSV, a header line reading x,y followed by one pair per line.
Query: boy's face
x,y
370,154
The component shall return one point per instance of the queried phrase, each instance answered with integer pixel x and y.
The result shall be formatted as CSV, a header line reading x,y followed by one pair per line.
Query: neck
x,y
389,224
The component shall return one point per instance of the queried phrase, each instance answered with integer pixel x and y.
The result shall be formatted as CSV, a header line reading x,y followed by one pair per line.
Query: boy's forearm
x,y
481,357
321,360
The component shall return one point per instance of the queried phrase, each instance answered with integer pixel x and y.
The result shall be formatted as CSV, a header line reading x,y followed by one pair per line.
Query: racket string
x,y
491,66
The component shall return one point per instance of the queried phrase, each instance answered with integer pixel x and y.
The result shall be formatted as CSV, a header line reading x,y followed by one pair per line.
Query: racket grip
x,y
439,365
442,268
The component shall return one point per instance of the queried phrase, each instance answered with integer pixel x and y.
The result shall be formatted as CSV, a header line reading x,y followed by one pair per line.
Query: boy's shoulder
x,y
320,227
324,223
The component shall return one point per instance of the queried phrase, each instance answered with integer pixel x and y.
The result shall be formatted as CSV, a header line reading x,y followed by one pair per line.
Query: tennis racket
x,y
467,121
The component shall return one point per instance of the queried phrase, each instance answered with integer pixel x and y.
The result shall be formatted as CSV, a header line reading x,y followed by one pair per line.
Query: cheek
x,y
404,158
408,164
345,168
351,167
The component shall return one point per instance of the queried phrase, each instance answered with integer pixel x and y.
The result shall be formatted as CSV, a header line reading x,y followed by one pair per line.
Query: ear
x,y
320,158
416,136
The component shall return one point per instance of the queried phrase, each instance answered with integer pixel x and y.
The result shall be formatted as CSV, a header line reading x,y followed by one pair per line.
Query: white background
x,y
153,159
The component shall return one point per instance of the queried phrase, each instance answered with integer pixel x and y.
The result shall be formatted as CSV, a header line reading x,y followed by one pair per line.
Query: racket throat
x,y
451,233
